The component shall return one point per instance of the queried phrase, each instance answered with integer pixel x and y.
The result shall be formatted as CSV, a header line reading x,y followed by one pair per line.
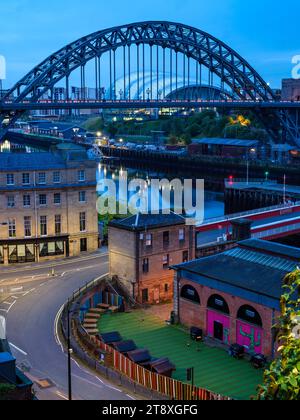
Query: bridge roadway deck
x,y
108,104
210,236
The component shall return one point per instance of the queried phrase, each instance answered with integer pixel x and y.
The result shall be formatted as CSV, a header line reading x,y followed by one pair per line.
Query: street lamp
x,y
69,354
267,173
148,94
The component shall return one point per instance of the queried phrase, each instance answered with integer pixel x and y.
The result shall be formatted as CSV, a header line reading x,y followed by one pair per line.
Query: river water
x,y
213,201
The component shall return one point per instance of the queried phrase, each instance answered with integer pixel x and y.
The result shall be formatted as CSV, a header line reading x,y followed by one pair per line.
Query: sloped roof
x,y
141,222
255,266
227,142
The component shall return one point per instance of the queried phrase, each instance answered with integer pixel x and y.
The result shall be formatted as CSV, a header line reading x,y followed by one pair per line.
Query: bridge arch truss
x,y
165,57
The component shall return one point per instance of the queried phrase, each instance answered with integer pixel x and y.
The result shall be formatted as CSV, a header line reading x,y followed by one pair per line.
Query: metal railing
x,y
275,231
234,216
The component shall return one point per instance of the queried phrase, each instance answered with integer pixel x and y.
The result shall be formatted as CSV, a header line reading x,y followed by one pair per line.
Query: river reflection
x,y
213,202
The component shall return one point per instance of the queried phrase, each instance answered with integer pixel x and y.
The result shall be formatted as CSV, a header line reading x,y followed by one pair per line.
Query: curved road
x,y
31,316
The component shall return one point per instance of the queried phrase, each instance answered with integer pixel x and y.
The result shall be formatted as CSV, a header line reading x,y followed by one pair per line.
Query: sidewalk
x,y
15,268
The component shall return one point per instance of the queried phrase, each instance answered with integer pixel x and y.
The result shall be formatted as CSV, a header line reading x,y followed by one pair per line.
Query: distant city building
x,y
234,297
290,90
55,129
47,205
221,147
61,94
141,249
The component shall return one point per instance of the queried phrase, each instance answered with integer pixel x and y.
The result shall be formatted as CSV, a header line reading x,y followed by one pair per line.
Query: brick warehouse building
x,y
234,297
47,205
141,249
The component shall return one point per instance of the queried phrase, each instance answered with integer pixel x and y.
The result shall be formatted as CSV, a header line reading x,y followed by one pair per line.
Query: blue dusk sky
x,y
265,32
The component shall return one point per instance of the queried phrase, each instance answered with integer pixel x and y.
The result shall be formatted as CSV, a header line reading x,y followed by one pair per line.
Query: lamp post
x,y
267,173
148,94
69,354
284,190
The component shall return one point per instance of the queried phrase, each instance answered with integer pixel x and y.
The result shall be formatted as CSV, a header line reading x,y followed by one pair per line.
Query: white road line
x,y
58,342
56,321
115,389
87,381
16,289
67,262
18,349
59,394
11,306
3,310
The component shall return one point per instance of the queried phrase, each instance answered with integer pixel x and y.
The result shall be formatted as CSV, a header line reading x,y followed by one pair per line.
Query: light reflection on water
x,y
214,204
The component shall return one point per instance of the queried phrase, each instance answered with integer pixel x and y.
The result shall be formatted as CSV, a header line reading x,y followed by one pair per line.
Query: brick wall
x,y
191,314
127,251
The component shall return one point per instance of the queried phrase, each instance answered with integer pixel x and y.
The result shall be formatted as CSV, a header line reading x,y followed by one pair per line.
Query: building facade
x,y
290,90
141,250
234,297
47,206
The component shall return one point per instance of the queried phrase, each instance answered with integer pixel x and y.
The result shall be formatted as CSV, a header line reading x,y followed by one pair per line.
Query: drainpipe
x,y
273,334
137,267
36,246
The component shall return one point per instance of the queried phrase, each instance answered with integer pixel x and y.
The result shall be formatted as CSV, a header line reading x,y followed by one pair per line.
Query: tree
x,y
112,129
173,140
94,124
6,391
282,379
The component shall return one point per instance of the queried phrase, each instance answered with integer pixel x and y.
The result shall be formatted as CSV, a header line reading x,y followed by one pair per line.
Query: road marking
x,y
87,381
16,289
59,343
11,306
18,349
59,394
67,262
76,363
56,321
3,310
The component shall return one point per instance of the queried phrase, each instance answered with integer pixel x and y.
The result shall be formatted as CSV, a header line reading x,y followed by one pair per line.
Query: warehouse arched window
x,y
218,303
248,314
190,293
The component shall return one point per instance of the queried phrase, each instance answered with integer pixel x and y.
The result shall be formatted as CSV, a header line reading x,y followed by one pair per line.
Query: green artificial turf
x,y
214,369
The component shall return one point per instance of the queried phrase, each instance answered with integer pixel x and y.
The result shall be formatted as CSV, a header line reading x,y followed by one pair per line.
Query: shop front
x,y
33,250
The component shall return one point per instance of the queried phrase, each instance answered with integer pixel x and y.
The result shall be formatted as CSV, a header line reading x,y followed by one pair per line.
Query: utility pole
x,y
69,356
248,170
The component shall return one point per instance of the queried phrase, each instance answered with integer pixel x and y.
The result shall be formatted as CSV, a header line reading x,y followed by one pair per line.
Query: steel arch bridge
x,y
165,57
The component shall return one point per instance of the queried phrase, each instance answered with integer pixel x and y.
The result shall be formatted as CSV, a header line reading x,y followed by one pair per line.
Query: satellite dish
x,y
2,328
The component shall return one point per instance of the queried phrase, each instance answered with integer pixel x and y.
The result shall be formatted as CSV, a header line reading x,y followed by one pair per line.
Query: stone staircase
x,y
91,320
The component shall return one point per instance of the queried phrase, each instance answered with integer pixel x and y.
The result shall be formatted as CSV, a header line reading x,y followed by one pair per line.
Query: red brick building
x,y
141,250
234,297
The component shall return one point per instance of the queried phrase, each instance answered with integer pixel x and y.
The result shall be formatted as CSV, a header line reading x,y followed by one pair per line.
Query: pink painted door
x,y
250,336
215,322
